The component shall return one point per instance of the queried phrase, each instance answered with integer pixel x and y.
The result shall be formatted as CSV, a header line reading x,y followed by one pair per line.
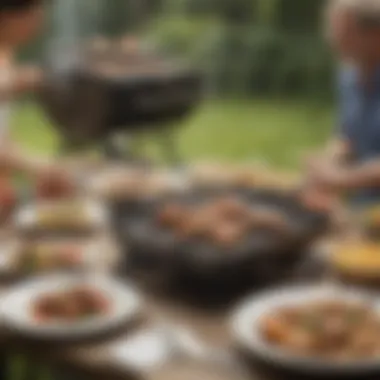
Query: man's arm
x,y
51,178
358,176
319,190
13,158
338,151
341,176
23,81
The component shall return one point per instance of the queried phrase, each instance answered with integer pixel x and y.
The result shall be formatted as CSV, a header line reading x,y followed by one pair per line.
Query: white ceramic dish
x,y
246,319
17,307
27,217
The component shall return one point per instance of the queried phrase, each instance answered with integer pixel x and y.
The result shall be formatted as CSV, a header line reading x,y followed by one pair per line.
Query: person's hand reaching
x,y
326,175
320,189
318,200
29,79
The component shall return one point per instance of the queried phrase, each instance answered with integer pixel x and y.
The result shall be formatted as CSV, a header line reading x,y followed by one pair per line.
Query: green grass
x,y
33,130
240,130
232,130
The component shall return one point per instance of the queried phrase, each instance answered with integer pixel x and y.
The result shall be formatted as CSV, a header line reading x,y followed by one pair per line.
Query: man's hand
x,y
29,79
329,176
318,200
51,180
328,170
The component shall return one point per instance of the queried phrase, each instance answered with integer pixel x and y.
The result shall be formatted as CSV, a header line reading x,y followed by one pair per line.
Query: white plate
x,y
246,319
18,303
27,217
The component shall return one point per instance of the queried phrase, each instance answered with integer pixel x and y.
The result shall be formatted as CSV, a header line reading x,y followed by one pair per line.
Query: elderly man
x,y
352,161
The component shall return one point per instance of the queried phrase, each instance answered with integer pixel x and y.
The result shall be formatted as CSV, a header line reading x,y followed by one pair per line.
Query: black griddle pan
x,y
264,256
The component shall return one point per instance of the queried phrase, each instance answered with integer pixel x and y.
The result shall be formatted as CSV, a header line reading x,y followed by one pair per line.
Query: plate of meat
x,y
316,330
65,307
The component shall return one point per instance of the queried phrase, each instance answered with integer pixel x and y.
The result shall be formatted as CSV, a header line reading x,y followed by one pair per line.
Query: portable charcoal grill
x,y
205,269
100,90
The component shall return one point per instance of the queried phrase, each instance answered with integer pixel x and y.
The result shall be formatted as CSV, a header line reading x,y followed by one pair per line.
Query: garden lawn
x,y
231,130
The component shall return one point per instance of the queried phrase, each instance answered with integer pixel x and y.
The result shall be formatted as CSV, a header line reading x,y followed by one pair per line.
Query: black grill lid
x,y
148,91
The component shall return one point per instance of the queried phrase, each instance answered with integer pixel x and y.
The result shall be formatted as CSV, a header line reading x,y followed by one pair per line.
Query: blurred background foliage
x,y
254,47
245,47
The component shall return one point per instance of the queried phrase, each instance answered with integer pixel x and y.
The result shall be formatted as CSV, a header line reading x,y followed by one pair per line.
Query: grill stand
x,y
127,147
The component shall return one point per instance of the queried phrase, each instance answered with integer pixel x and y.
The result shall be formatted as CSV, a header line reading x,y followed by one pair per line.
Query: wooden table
x,y
99,358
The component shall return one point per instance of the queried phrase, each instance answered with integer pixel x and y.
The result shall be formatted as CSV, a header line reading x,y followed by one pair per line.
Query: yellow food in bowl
x,y
358,258
373,216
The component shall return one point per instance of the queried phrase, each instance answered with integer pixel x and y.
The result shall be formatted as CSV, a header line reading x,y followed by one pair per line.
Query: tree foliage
x,y
244,46
251,46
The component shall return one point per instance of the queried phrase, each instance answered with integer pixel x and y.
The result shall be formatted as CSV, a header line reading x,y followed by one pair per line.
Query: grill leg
x,y
119,148
68,147
124,148
170,149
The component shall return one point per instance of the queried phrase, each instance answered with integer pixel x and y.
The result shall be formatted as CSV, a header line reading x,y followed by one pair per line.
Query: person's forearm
x,y
13,159
23,82
12,90
8,91
338,151
25,164
361,176
16,88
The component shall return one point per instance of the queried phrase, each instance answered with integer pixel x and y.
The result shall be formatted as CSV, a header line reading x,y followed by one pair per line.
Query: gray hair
x,y
367,12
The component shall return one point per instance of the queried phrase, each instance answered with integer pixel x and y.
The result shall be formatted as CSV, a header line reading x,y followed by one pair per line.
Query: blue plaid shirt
x,y
360,122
